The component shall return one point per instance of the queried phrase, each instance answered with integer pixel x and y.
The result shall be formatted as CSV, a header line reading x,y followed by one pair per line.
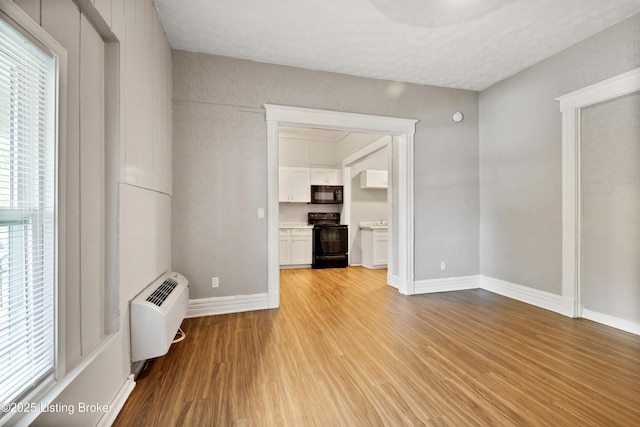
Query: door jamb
x,y
570,107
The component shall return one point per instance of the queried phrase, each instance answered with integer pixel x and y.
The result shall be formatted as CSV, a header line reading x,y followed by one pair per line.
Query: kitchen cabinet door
x,y
300,185
294,185
374,244
326,177
285,246
284,187
380,247
301,250
373,179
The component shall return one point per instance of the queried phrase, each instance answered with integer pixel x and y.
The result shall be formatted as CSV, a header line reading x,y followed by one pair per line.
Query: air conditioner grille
x,y
160,295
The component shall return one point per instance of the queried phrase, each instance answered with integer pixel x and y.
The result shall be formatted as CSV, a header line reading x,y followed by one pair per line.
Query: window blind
x,y
27,215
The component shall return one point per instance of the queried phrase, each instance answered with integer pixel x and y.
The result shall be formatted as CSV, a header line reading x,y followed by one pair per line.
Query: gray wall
x,y
610,179
219,182
220,165
520,156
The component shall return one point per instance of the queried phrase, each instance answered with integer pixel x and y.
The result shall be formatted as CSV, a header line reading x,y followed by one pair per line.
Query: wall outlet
x,y
260,213
443,265
215,282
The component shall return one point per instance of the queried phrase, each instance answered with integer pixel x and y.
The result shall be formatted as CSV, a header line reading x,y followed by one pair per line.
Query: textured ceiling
x,y
312,134
355,140
468,44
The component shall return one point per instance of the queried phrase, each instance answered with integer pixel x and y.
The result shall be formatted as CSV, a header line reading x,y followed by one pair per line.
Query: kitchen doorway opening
x,y
364,206
401,260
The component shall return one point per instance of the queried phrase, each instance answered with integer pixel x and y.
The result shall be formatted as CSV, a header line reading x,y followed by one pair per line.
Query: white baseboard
x,y
614,322
273,299
294,266
542,299
224,305
446,284
372,267
118,403
393,280
536,297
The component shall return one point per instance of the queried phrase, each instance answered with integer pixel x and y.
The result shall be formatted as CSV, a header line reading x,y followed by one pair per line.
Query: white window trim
x,y
13,14
571,105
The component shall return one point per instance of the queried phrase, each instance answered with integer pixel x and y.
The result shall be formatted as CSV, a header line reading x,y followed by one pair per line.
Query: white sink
x,y
373,225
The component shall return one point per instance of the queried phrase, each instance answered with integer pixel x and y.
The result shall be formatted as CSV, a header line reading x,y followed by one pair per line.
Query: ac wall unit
x,y
156,315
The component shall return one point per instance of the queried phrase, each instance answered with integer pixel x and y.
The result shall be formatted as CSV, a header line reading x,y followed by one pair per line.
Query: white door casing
x,y
404,129
571,105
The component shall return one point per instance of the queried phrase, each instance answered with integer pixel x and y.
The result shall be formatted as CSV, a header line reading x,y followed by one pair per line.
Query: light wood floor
x,y
344,349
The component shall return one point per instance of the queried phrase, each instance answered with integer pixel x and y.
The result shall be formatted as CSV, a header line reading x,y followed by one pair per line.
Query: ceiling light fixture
x,y
437,13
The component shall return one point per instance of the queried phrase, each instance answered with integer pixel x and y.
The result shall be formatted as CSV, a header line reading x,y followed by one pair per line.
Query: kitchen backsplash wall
x,y
297,212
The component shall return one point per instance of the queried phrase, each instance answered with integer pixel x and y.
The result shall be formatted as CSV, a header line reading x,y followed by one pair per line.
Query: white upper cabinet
x,y
295,185
371,178
322,176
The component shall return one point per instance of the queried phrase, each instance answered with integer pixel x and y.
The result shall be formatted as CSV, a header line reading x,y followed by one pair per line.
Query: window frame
x,y
21,22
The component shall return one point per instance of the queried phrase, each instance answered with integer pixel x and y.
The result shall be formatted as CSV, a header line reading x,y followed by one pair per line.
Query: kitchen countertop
x,y
294,225
373,225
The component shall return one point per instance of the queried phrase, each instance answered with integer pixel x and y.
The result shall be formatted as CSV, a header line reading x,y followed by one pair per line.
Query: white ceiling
x,y
312,134
349,142
468,44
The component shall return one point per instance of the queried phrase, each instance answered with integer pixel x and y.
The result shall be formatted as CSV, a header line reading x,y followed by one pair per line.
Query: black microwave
x,y
326,194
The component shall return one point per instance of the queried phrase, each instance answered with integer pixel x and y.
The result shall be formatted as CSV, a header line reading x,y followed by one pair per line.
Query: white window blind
x,y
27,215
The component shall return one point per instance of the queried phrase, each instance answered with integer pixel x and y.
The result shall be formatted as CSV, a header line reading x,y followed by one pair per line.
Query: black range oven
x,y
330,240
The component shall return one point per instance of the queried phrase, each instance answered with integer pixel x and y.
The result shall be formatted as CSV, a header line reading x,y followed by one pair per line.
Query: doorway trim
x,y
571,105
404,129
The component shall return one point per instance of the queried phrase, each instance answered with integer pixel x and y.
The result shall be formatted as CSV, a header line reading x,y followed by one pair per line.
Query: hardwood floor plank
x,y
345,349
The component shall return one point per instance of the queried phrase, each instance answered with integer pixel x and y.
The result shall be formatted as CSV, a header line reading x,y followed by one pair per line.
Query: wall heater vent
x,y
162,293
156,315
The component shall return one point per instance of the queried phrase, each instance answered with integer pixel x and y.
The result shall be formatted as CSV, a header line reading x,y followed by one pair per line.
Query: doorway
x,y
402,266
368,203
601,98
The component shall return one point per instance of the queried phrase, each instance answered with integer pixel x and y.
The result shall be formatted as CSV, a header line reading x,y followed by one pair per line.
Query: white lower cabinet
x,y
375,247
295,246
301,251
285,246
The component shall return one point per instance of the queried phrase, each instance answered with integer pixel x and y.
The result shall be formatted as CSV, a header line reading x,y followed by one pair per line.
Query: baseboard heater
x,y
156,315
